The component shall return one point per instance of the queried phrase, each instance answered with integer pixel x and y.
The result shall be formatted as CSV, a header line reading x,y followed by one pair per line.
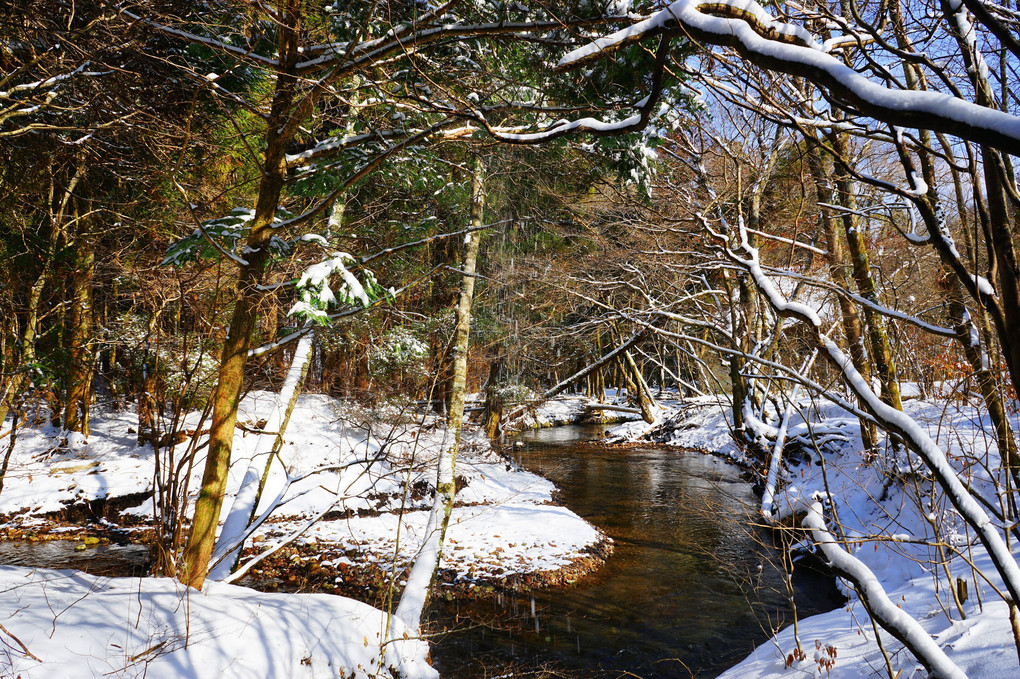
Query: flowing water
x,y
111,560
691,587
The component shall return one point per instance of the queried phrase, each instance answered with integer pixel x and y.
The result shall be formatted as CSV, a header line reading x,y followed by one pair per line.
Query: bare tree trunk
x,y
1002,225
738,383
234,356
878,338
493,414
24,364
965,322
80,340
643,395
426,565
973,333
849,316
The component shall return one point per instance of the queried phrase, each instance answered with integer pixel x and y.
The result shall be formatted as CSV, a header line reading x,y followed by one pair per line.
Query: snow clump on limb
x,y
318,295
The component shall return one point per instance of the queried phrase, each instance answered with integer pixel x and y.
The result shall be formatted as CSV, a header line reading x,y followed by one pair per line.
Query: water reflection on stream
x,y
111,560
688,591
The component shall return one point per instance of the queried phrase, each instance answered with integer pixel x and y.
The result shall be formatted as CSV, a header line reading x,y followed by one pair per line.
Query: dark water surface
x,y
689,590
111,560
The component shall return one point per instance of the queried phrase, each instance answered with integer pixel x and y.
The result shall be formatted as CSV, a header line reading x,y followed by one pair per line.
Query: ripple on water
x,y
107,560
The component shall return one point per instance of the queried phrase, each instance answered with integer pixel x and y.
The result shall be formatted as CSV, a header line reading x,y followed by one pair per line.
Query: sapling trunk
x,y
242,510
646,402
426,565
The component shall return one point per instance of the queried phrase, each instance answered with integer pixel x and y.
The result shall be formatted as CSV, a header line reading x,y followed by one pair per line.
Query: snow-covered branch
x,y
891,617
893,420
747,28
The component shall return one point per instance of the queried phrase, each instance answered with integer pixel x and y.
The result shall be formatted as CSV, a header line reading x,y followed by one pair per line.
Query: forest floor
x,y
506,532
372,491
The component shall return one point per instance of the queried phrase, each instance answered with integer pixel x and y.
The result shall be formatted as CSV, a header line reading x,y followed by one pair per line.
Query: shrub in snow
x,y
180,371
515,393
397,351
317,293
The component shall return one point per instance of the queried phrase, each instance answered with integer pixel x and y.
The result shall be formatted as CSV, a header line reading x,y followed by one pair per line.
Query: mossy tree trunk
x,y
230,378
850,318
80,339
878,337
642,394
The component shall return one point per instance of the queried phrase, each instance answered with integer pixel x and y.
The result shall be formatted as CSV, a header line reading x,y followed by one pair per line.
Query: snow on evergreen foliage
x,y
317,294
227,232
398,349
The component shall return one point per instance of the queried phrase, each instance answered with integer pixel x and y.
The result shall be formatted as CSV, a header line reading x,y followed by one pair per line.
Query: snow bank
x,y
374,472
68,624
483,542
504,525
982,645
41,478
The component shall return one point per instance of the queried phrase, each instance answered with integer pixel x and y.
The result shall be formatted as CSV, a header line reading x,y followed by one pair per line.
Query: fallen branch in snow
x,y
892,618
19,642
590,407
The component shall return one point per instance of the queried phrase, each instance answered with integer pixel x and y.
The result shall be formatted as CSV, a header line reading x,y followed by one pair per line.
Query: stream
x,y
690,589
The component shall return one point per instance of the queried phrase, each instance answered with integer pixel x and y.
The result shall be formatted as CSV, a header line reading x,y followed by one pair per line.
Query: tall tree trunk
x,y
973,333
146,399
80,341
963,320
426,564
738,383
850,319
878,338
24,364
233,359
1002,226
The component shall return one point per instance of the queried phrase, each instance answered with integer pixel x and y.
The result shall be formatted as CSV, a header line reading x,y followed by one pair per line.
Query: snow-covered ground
x,y
78,625
373,483
562,410
68,624
899,528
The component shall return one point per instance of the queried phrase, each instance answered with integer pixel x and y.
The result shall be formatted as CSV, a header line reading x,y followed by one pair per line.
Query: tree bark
x,y
973,333
80,340
25,362
643,395
878,338
850,319
242,510
230,379
492,416
426,565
